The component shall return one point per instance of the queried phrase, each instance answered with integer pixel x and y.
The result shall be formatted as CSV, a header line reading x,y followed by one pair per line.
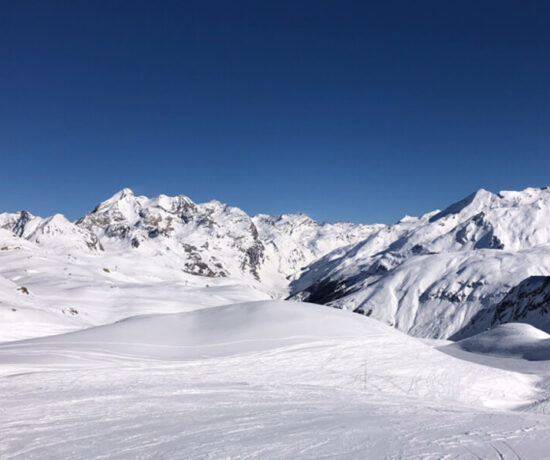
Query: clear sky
x,y
359,111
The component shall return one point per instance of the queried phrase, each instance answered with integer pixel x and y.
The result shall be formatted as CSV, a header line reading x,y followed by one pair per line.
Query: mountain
x,y
217,240
445,274
163,333
210,239
136,255
430,276
55,231
528,302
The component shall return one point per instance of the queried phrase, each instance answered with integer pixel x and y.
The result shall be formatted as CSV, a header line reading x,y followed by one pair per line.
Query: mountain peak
x,y
479,199
124,193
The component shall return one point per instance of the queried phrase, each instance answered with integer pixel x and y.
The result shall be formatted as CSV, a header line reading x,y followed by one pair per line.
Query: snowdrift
x,y
514,340
214,332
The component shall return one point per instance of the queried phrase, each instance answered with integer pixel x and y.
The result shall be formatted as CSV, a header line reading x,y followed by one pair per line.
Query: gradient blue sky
x,y
360,111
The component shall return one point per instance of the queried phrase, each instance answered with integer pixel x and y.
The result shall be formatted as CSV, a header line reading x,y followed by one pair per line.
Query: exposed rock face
x,y
210,239
528,302
531,296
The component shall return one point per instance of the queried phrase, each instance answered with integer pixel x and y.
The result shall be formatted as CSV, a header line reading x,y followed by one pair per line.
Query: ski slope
x,y
266,379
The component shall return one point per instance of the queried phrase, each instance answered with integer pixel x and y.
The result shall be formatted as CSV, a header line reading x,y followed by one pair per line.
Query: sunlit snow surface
x,y
146,360
68,290
266,379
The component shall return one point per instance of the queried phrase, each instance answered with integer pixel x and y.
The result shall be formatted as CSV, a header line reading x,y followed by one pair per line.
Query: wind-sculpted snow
x,y
264,326
432,276
216,331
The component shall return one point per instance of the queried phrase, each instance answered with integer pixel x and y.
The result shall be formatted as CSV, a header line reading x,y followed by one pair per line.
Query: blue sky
x,y
358,111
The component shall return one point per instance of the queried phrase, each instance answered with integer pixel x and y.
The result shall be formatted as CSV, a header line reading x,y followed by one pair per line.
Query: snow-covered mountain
x,y
149,339
443,274
211,239
133,255
430,276
217,240
55,231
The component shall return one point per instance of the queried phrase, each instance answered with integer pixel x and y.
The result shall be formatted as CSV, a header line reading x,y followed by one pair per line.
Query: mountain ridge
x,y
433,275
212,239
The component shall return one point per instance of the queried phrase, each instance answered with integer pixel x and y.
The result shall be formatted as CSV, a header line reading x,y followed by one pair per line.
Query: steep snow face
x,y
431,275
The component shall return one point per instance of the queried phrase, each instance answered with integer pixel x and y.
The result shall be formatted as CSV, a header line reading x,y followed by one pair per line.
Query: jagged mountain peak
x,y
214,238
125,192
121,195
52,232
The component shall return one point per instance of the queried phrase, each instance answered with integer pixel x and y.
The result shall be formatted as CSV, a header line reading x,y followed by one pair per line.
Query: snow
x,y
434,275
70,291
267,379
147,329
510,340
216,239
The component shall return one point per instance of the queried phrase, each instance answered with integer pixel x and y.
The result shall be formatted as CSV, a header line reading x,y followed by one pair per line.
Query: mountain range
x,y
480,262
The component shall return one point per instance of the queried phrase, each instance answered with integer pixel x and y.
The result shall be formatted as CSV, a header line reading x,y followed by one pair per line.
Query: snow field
x,y
267,379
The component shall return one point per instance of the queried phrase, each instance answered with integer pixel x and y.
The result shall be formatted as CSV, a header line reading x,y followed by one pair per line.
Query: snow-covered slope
x,y
50,290
263,380
252,327
514,340
429,276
